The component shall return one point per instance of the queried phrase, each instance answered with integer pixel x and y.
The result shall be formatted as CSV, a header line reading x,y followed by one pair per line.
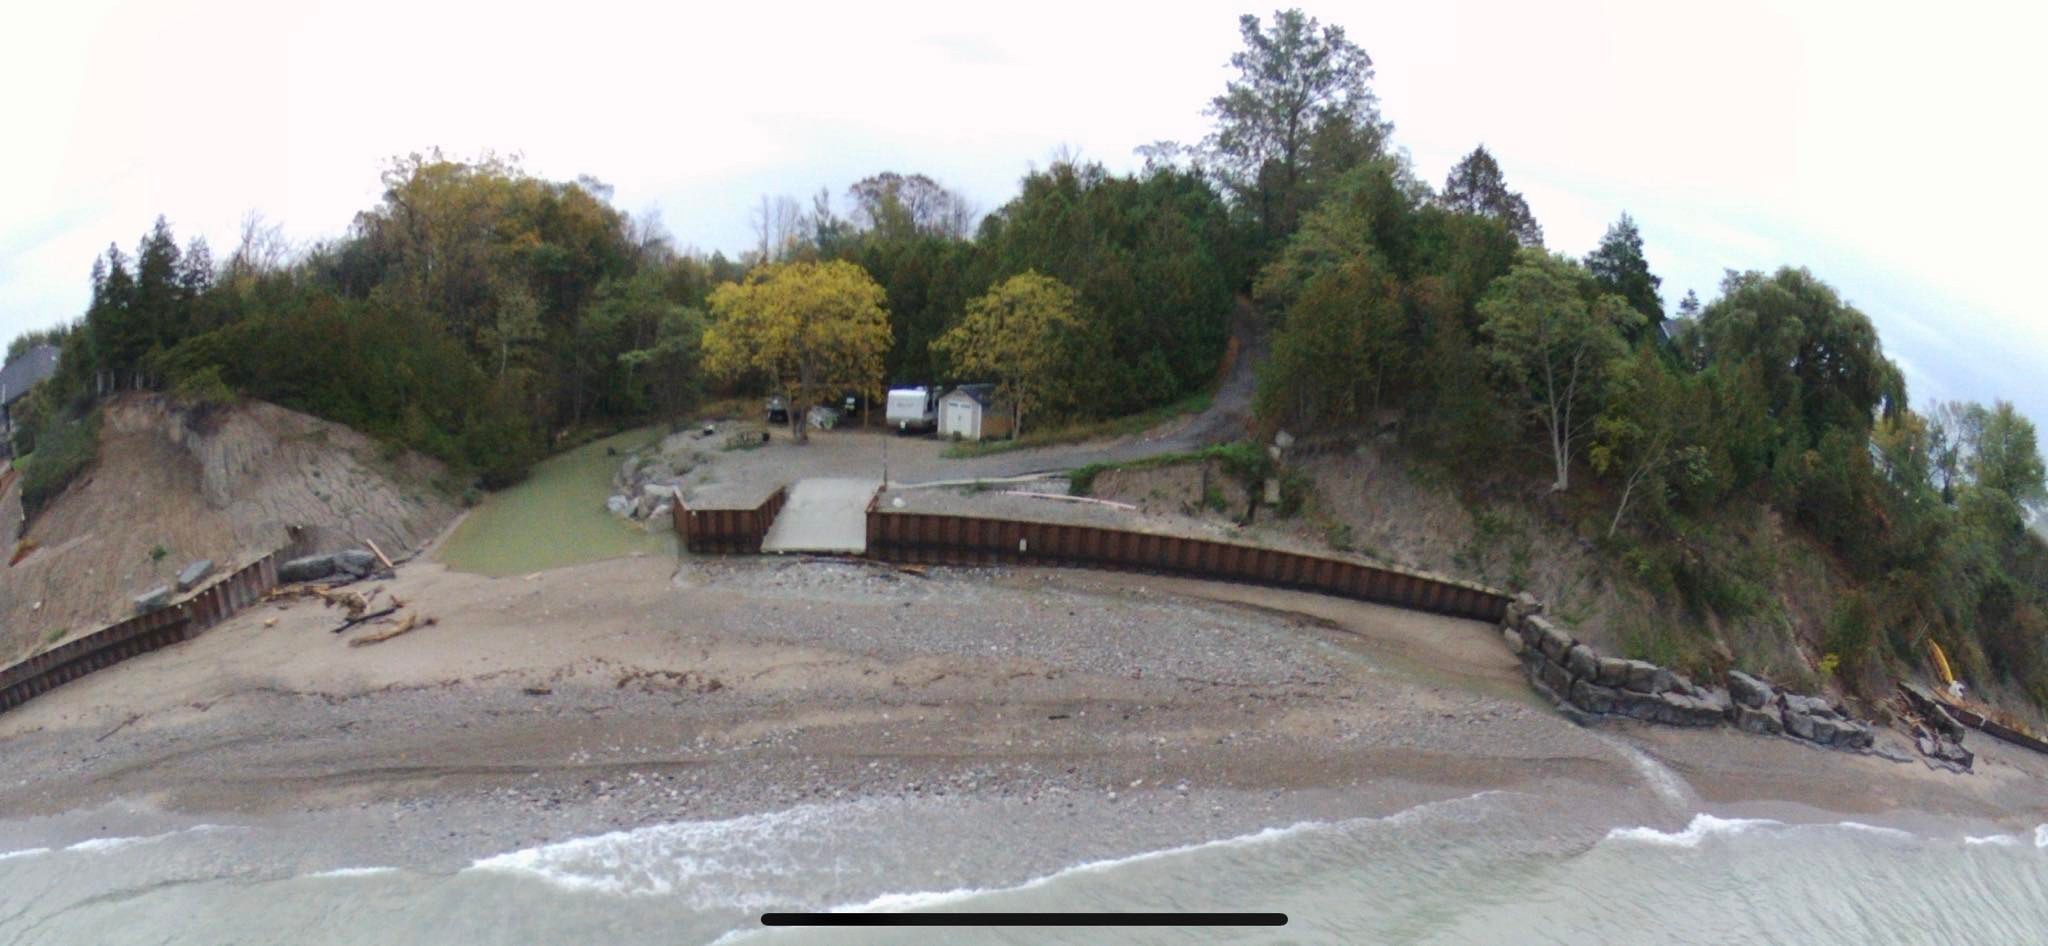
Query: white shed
x,y
969,412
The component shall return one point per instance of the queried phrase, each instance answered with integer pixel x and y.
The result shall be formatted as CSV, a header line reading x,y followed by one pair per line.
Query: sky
x,y
1886,146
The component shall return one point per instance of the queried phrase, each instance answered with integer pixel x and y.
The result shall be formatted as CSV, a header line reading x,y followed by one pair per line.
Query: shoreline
x,y
1091,715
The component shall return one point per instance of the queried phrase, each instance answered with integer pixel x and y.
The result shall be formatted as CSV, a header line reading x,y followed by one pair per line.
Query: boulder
x,y
1855,736
1749,691
1810,705
194,573
1798,723
1613,672
1717,699
152,599
1641,706
619,506
309,568
1825,731
1763,722
1593,697
1513,639
1681,710
1582,662
356,563
1550,639
1556,678
1642,676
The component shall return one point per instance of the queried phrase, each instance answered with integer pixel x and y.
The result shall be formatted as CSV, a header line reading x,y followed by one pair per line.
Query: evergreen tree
x,y
1476,186
1619,268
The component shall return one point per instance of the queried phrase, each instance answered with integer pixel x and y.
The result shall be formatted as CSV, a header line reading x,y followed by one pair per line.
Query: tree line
x,y
481,314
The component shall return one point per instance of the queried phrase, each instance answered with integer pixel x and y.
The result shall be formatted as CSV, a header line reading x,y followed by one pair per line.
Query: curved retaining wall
x,y
138,635
923,538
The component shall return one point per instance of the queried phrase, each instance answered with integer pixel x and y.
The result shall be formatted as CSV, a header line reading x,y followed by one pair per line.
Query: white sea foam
x,y
25,852
103,845
1702,827
1995,840
344,872
2041,836
1666,783
714,863
1875,829
925,900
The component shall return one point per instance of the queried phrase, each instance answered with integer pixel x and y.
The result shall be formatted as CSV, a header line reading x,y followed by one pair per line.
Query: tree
x,y
900,205
814,329
1952,429
1647,428
1342,347
1553,337
1030,335
1296,81
1689,307
1618,267
1476,186
2005,455
1818,357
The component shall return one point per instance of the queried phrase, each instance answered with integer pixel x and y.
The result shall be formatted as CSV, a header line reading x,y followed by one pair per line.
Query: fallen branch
x,y
374,550
405,626
351,622
124,725
1071,499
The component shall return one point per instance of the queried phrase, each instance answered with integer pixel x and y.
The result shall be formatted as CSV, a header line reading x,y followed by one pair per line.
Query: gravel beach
x,y
1077,715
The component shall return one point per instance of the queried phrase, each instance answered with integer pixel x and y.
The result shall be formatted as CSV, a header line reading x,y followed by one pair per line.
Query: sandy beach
x,y
1128,712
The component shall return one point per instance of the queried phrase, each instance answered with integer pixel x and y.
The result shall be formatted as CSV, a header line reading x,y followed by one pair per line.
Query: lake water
x,y
555,517
1487,869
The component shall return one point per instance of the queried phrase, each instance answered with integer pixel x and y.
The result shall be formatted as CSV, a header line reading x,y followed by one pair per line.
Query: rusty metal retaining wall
x,y
138,635
728,531
921,538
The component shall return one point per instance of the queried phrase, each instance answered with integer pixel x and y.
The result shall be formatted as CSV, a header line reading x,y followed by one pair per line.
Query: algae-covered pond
x,y
555,517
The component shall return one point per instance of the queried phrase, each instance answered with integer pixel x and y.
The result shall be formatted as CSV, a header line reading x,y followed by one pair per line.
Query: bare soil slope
x,y
227,486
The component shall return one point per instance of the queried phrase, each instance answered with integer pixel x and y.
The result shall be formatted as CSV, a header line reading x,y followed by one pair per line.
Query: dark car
x,y
778,410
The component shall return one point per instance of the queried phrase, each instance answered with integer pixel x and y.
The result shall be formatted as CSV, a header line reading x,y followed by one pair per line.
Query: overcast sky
x,y
1892,148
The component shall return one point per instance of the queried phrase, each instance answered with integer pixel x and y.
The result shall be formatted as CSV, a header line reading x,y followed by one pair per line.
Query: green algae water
x,y
555,517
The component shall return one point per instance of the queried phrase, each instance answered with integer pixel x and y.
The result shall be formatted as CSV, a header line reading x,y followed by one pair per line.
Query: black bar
x,y
1023,919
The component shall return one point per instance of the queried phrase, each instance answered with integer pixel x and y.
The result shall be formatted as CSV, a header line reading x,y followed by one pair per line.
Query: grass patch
x,y
56,634
1085,430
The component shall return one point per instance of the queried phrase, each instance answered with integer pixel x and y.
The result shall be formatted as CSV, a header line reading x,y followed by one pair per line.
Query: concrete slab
x,y
823,515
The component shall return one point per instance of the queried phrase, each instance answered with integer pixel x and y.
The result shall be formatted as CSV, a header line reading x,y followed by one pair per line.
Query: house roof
x,y
984,394
32,368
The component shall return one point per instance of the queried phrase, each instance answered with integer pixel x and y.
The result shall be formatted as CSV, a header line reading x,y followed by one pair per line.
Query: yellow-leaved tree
x,y
816,329
1030,336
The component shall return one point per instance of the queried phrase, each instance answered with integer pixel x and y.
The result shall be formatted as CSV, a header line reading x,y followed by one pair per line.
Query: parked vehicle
x,y
913,409
778,410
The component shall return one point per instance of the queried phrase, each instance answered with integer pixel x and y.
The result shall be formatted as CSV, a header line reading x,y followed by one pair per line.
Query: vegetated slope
x,y
225,484
1753,594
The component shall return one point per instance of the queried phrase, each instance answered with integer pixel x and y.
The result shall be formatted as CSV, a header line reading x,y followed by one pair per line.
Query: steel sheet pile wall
x,y
728,531
922,538
137,635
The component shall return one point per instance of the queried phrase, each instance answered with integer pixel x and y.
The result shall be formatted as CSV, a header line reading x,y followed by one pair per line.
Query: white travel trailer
x,y
913,408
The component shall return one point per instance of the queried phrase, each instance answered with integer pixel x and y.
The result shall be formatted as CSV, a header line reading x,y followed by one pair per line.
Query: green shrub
x,y
63,451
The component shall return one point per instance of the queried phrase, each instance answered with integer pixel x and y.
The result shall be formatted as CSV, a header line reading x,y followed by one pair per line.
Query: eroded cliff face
x,y
225,485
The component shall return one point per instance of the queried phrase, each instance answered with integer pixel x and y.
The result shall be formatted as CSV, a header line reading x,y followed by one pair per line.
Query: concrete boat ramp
x,y
826,515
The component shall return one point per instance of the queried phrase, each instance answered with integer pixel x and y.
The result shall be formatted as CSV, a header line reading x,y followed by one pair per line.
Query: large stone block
x,y
1749,691
1825,731
1682,710
1810,705
152,599
309,568
1798,723
194,573
1556,677
1643,676
1613,672
1593,697
1638,706
355,562
1763,722
1553,641
1582,662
